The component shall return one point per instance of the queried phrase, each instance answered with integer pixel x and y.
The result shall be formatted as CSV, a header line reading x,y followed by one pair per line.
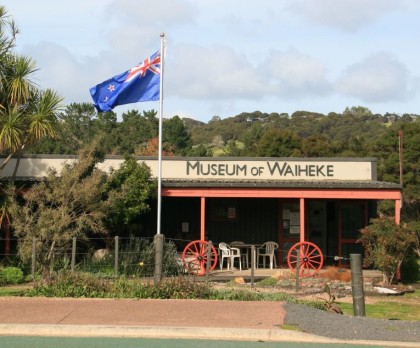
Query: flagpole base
x,y
158,243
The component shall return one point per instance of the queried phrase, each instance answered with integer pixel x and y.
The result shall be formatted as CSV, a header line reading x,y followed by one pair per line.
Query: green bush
x,y
104,267
386,245
181,288
67,284
410,269
137,258
11,275
270,281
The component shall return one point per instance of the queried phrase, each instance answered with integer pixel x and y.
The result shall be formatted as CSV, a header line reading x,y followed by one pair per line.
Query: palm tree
x,y
27,114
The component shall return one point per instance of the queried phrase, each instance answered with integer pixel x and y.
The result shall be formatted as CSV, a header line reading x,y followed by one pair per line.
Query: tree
x,y
27,114
357,111
279,143
59,208
151,148
386,245
175,133
316,146
135,130
251,139
129,191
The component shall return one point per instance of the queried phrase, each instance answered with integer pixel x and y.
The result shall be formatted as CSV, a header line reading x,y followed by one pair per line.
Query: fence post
x,y
297,271
158,241
116,256
357,285
73,255
252,266
208,263
33,258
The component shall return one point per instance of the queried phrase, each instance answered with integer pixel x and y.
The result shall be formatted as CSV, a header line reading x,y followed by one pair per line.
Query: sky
x,y
225,57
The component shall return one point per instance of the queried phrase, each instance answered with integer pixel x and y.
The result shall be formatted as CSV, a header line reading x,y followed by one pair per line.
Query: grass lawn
x,y
14,290
406,307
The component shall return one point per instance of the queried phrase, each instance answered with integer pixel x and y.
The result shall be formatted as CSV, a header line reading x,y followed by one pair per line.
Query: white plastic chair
x,y
243,251
267,251
230,253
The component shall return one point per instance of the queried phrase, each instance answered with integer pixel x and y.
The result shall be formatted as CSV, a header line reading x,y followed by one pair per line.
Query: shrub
x,y
78,284
181,288
11,275
68,284
410,269
137,257
269,281
386,245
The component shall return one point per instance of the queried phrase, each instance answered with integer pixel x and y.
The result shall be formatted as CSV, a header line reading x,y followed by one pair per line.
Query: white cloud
x,y
219,73
348,15
60,71
170,12
378,78
215,72
294,74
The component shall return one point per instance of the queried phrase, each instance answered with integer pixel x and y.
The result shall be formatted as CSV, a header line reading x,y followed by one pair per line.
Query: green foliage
x,y
269,281
78,284
138,258
129,190
279,143
410,269
11,275
135,130
175,134
27,114
68,284
181,288
60,208
386,245
330,304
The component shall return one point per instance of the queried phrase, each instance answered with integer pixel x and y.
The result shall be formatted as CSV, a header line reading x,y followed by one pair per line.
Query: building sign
x,y
269,169
274,169
287,169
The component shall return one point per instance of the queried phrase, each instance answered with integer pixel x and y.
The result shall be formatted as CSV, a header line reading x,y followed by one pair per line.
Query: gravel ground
x,y
349,327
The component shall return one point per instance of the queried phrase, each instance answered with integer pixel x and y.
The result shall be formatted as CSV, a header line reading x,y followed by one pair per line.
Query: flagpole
x,y
159,198
158,240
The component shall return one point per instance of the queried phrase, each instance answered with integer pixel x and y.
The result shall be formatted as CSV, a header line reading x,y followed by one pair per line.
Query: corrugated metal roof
x,y
282,184
333,184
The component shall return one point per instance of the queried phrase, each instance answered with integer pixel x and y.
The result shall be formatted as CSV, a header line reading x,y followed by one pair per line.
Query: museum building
x,y
325,201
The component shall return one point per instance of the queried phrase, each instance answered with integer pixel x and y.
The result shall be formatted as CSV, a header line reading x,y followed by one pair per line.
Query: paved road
x,y
65,342
176,319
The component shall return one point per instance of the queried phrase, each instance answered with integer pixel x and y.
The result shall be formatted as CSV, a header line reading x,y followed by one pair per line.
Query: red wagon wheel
x,y
195,257
311,258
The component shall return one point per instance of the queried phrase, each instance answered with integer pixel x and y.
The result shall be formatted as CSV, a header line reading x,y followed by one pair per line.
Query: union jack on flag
x,y
139,84
152,65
